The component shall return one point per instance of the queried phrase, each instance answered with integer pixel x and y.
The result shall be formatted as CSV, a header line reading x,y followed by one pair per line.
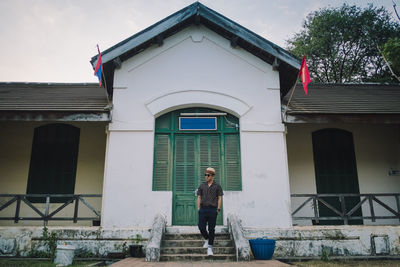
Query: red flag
x,y
99,67
304,74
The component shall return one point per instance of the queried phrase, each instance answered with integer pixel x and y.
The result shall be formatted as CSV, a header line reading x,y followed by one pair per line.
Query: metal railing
x,y
343,213
63,200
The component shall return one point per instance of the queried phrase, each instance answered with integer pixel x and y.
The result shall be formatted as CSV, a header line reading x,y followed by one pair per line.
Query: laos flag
x,y
99,67
304,74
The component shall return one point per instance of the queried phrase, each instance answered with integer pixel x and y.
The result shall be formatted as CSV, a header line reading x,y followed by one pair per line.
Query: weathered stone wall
x,y
300,241
341,241
88,241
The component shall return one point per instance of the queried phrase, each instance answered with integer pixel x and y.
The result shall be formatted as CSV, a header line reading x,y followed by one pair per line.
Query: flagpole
x,y
305,77
102,75
291,94
105,84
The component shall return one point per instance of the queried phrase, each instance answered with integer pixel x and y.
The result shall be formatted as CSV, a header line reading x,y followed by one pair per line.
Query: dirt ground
x,y
358,263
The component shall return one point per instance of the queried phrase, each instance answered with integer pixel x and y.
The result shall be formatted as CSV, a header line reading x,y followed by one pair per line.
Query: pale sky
x,y
53,40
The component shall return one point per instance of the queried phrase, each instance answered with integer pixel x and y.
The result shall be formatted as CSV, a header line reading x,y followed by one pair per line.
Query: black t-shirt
x,y
209,194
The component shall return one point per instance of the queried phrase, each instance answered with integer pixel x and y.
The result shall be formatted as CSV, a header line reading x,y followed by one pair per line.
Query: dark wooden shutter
x,y
162,167
232,162
335,170
53,161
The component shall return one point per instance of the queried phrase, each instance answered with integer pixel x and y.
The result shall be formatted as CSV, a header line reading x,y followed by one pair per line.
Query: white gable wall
x,y
195,67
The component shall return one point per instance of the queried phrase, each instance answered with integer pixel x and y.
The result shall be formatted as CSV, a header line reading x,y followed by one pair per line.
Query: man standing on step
x,y
209,199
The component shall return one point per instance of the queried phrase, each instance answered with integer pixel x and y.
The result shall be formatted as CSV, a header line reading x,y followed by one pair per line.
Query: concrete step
x,y
193,229
193,237
195,243
186,244
197,250
197,257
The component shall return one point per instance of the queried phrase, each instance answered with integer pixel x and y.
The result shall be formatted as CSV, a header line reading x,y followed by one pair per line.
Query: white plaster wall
x,y
264,199
377,150
195,67
127,196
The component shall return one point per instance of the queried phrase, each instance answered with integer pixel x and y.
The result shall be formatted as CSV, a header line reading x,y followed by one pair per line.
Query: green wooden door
x,y
193,154
335,171
185,180
210,156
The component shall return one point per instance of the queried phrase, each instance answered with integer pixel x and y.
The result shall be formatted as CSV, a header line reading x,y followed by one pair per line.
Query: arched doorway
x,y
185,145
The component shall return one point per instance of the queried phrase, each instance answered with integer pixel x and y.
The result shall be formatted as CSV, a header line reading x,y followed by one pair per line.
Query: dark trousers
x,y
208,215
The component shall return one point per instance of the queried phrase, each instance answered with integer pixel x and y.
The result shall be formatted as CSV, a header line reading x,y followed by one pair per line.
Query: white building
x,y
194,69
191,91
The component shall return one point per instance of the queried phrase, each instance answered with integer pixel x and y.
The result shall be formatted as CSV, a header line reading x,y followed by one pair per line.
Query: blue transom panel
x,y
197,123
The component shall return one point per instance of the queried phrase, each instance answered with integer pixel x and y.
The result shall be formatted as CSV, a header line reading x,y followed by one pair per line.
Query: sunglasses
x,y
208,175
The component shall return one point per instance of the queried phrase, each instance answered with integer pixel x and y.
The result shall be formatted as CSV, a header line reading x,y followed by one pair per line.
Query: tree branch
x,y
387,63
395,10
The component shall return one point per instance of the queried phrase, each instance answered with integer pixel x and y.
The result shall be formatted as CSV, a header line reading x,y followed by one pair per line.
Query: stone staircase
x,y
189,247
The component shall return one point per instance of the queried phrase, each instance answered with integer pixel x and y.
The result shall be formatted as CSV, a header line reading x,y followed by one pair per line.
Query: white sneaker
x,y
205,244
209,251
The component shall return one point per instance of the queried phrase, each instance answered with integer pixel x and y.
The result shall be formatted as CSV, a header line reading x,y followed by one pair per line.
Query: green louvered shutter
x,y
185,164
185,181
162,169
210,156
232,163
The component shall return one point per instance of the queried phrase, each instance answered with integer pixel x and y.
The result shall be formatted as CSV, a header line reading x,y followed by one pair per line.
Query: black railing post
x,y
76,209
315,204
371,208
16,218
344,211
398,204
46,212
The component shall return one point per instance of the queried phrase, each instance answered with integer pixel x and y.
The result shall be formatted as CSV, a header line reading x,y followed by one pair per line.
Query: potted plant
x,y
136,249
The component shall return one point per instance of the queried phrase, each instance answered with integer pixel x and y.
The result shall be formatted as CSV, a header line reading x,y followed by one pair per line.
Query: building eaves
x,y
343,100
55,98
197,13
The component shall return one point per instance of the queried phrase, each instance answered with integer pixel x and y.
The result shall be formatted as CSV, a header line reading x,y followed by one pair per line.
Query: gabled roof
x,y
343,100
197,13
53,101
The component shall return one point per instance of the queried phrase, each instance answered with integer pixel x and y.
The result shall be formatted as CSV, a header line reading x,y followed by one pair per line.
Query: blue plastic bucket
x,y
262,248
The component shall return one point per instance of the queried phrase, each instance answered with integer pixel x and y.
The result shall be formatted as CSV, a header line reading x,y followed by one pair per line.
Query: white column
x,y
128,199
265,197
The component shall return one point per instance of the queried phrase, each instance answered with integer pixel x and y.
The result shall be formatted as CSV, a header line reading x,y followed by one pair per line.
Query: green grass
x,y
38,263
350,263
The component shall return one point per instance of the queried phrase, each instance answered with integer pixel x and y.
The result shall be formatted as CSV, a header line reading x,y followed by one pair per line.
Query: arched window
x,y
53,161
218,148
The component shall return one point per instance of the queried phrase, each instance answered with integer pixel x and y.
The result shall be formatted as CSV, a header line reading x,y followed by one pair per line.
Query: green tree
x,y
341,44
391,52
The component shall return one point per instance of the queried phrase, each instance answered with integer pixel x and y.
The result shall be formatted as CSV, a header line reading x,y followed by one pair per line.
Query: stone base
x,y
89,242
297,242
333,241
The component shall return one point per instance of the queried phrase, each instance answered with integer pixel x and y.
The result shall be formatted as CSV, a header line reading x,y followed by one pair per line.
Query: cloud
x,y
49,41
